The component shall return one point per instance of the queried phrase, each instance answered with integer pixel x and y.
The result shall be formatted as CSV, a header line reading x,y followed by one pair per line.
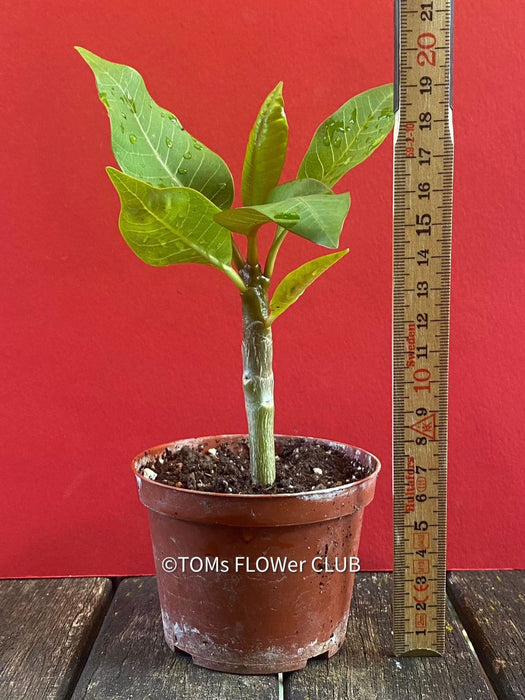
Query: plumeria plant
x,y
176,197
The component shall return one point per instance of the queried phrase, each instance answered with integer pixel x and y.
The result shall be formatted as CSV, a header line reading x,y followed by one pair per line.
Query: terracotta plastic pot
x,y
256,583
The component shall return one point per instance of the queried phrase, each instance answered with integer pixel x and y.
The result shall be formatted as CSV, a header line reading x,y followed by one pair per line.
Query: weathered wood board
x,y
365,668
131,661
47,627
491,606
50,630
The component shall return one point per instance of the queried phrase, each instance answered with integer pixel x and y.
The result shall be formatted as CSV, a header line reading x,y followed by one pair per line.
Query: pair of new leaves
x,y
176,194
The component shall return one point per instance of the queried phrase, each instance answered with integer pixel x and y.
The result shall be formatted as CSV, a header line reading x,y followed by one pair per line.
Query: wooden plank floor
x,y
90,639
47,629
365,667
130,658
492,608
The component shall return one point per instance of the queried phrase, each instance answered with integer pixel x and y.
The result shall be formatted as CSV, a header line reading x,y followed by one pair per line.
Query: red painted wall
x,y
102,356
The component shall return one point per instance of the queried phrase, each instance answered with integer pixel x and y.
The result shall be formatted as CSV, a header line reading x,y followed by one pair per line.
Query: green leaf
x,y
168,225
295,283
297,188
349,136
266,150
316,217
149,142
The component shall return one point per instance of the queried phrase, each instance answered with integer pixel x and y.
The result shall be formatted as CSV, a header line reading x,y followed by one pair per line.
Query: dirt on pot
x,y
226,469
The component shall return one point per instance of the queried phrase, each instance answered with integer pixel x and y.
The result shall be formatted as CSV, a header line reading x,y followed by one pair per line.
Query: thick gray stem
x,y
257,351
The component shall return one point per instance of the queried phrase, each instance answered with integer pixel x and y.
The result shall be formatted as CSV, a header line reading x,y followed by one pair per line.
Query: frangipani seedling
x,y
176,197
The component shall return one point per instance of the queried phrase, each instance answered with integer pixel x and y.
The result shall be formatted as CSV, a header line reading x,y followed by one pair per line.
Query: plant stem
x,y
236,255
253,254
280,235
257,351
234,276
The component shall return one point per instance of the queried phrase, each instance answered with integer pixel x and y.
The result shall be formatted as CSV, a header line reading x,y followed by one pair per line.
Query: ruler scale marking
x,y
423,168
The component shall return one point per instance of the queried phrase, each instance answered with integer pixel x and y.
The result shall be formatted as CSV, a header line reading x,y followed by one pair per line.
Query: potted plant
x,y
255,537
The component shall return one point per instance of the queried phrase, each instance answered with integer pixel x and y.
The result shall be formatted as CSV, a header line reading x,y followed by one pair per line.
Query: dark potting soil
x,y
300,466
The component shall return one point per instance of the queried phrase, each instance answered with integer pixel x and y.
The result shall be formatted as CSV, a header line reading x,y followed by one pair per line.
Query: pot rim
x,y
321,494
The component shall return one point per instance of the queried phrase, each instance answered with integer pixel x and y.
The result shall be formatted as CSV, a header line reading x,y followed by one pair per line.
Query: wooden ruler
x,y
423,171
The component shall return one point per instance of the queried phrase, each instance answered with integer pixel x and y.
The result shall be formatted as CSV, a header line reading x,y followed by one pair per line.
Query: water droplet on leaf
x,y
174,119
187,156
169,142
128,102
133,138
182,171
334,129
288,216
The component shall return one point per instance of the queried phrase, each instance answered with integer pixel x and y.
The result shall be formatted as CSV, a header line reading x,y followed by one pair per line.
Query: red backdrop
x,y
103,356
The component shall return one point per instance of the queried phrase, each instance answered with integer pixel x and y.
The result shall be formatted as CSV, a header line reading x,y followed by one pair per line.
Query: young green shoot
x,y
176,207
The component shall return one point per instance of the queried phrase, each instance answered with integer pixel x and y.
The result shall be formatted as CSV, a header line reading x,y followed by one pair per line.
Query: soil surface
x,y
300,466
